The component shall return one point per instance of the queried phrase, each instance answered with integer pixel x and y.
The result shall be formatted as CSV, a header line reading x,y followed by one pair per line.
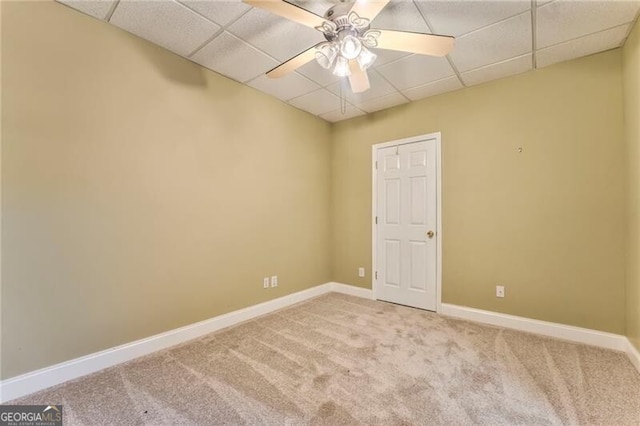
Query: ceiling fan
x,y
346,27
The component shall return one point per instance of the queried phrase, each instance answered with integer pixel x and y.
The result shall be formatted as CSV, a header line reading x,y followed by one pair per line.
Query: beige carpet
x,y
343,360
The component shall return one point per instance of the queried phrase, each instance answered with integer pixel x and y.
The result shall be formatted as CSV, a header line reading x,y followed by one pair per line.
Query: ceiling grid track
x,y
207,41
390,84
111,11
455,70
217,33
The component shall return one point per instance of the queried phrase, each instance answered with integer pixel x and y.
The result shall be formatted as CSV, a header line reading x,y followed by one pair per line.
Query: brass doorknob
x,y
430,234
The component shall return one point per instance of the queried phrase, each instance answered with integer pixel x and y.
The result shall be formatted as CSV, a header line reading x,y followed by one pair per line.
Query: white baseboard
x,y
559,331
34,381
634,355
570,333
365,293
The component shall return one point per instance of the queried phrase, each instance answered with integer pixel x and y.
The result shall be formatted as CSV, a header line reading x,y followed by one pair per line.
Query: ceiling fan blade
x,y
369,9
289,11
294,63
423,44
359,80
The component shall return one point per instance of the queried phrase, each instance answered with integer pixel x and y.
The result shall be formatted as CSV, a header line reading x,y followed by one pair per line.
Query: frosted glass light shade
x,y
350,47
366,58
326,55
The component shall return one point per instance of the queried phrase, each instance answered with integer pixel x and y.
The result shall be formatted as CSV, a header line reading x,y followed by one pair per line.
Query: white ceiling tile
x,y
459,17
385,56
583,46
383,102
315,72
337,115
402,16
96,8
435,88
234,58
415,70
379,87
165,23
507,39
278,37
501,69
493,41
319,7
318,102
561,21
285,88
221,12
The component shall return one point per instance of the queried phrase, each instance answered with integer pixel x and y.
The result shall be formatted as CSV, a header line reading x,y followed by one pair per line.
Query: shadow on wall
x,y
188,74
173,67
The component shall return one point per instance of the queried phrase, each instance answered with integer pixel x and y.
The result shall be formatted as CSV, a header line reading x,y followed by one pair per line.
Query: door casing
x,y
374,155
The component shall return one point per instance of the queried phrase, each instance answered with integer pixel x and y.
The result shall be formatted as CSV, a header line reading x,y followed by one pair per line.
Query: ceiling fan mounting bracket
x,y
341,21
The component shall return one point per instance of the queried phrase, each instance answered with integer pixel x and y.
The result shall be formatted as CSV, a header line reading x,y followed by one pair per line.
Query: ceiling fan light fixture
x,y
366,58
350,47
342,67
326,54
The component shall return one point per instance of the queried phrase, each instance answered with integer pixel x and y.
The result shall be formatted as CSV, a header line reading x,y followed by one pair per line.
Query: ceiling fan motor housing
x,y
339,15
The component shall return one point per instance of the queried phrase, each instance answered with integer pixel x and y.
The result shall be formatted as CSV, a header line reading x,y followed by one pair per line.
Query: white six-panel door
x,y
406,216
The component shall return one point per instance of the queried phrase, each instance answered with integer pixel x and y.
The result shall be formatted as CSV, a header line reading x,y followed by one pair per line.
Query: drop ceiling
x,y
494,39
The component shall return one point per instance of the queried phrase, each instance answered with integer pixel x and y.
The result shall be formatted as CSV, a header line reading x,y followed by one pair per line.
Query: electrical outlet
x,y
274,281
499,291
361,272
265,282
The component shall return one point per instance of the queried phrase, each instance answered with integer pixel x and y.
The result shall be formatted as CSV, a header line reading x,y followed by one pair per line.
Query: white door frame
x,y
374,155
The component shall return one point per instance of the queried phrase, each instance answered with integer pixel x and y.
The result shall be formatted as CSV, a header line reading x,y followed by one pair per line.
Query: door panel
x,y
406,210
417,255
392,263
417,197
392,195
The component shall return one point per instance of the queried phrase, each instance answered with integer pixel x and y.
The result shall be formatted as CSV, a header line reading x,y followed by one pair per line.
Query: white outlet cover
x,y
361,272
499,291
265,282
274,281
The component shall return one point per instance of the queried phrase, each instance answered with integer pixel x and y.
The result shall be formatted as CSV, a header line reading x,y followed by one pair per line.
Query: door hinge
x,y
376,275
376,165
376,220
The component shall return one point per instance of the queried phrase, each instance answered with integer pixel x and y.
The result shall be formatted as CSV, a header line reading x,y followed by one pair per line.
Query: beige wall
x,y
548,223
631,86
142,192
